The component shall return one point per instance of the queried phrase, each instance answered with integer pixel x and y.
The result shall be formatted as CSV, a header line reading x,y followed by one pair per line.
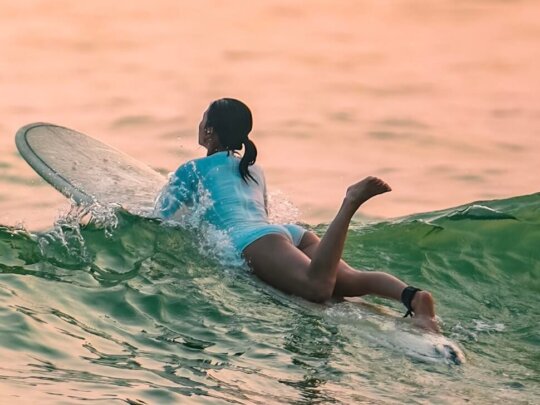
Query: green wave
x,y
140,310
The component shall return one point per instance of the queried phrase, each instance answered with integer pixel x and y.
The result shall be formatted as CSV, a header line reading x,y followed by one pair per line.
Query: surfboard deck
x,y
87,170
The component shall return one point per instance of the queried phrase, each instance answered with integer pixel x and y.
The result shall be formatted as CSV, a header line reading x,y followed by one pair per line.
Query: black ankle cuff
x,y
407,296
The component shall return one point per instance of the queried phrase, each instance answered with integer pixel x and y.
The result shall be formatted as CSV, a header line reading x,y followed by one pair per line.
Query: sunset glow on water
x,y
440,100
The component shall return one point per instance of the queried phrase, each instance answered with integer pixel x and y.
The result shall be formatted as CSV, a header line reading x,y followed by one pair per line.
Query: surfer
x,y
287,257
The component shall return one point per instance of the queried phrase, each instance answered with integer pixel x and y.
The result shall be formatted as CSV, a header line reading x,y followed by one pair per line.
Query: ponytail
x,y
250,155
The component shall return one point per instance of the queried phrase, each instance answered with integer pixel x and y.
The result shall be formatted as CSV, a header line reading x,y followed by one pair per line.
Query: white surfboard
x,y
87,170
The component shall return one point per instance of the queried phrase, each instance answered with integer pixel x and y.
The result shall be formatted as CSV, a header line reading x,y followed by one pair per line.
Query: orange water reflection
x,y
439,99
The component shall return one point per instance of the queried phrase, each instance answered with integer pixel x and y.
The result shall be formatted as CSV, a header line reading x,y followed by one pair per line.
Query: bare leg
x,y
280,264
326,257
354,283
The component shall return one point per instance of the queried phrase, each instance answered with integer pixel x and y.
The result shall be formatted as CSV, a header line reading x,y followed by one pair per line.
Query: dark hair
x,y
232,121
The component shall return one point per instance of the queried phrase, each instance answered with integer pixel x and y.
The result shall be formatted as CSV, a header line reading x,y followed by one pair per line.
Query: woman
x,y
287,257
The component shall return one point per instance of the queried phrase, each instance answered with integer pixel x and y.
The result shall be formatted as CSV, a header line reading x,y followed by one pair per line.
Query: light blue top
x,y
235,206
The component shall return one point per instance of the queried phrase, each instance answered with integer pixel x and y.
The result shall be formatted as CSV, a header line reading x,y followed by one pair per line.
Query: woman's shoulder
x,y
202,165
185,172
198,164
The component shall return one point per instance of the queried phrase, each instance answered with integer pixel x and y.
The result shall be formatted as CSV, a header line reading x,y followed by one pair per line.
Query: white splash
x,y
482,326
281,210
66,230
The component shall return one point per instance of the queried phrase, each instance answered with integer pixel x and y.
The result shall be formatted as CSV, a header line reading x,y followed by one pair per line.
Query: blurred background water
x,y
438,98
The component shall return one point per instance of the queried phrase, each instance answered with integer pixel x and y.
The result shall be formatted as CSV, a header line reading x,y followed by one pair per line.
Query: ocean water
x,y
440,99
126,309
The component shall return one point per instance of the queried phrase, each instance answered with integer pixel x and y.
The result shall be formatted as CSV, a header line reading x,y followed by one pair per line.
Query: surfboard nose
x,y
87,170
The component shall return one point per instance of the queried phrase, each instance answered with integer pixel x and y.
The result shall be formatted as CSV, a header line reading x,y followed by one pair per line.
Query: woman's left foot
x,y
362,191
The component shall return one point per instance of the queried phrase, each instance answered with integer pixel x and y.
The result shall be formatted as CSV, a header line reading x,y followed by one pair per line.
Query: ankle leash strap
x,y
407,296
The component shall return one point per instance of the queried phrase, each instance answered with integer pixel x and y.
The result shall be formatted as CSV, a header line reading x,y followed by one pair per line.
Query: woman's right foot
x,y
362,191
424,311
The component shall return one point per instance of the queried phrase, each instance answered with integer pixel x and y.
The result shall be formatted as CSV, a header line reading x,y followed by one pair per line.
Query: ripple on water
x,y
511,147
403,123
133,121
469,178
